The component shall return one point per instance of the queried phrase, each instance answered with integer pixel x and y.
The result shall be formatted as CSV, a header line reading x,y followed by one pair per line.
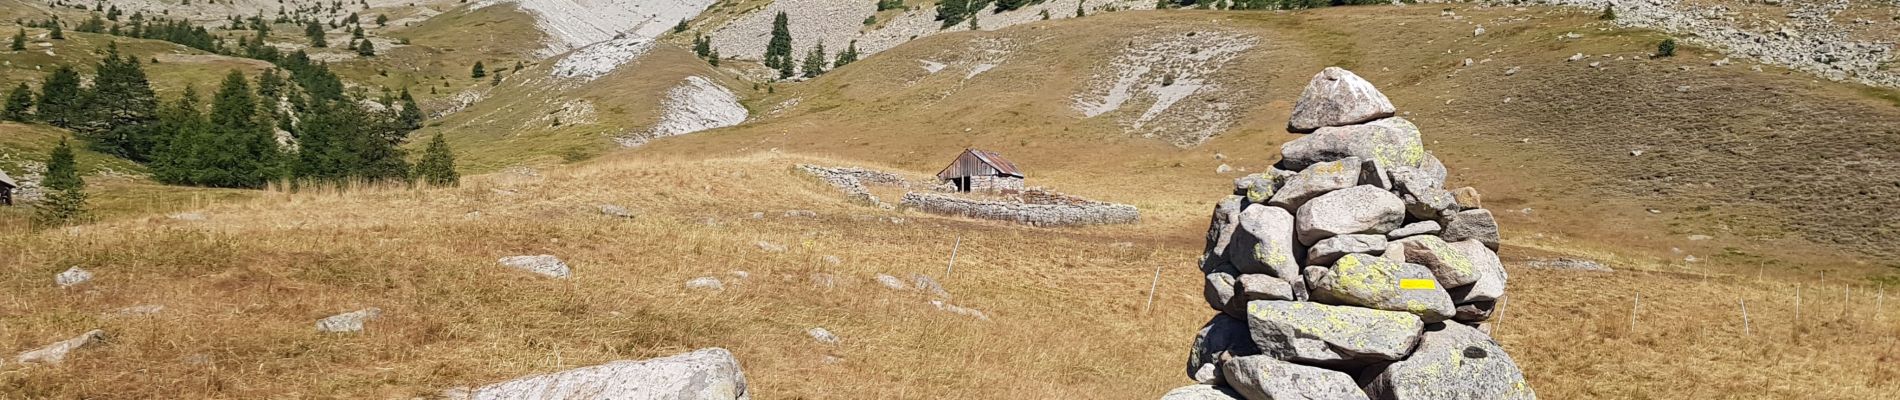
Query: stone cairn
x,y
1348,271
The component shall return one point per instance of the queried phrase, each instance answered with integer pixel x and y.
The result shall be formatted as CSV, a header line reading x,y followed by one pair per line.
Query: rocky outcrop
x,y
1377,288
706,374
544,265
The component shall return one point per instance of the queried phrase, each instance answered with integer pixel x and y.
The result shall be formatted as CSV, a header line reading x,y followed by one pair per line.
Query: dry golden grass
x,y
243,289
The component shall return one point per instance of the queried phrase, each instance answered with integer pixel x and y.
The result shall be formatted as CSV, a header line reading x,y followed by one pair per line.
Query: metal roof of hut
x,y
974,162
8,180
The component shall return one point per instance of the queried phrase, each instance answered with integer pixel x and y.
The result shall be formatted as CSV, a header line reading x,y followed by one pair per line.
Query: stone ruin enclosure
x,y
1348,270
1032,206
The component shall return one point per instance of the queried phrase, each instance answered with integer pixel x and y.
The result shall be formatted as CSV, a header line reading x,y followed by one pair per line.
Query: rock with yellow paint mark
x,y
1449,265
1262,377
1221,338
1316,180
1337,97
1332,336
1472,224
1453,361
1381,284
1359,209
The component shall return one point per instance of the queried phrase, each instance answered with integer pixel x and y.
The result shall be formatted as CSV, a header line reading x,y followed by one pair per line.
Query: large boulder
x,y
1220,227
1381,284
1490,271
1451,266
1201,392
1392,142
1264,245
1219,290
1414,229
1359,209
1319,334
1472,224
1223,337
711,373
1316,180
1263,377
1453,361
1337,97
1331,249
1263,287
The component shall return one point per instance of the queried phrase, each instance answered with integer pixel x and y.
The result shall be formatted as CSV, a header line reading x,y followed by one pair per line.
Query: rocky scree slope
x,y
1348,272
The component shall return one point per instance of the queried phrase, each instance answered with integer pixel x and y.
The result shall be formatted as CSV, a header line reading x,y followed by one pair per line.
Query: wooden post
x,y
1745,328
1152,285
953,256
1797,304
1882,298
1633,309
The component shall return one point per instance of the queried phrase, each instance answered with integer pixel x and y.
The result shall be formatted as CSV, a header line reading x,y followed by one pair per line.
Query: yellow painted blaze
x,y
1418,284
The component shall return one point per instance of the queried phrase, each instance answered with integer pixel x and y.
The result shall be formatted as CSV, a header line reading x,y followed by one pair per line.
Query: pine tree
x,y
315,32
849,55
410,118
183,133
713,58
815,61
952,12
1667,48
477,72
61,97
778,52
785,70
65,199
366,48
437,166
1609,13
19,104
19,40
56,33
681,27
121,109
382,20
1078,9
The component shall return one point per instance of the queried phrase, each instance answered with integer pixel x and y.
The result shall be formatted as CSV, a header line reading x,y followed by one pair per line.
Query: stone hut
x,y
6,189
981,170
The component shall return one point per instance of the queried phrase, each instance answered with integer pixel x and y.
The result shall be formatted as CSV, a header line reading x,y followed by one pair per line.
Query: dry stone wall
x,y
1348,271
1074,212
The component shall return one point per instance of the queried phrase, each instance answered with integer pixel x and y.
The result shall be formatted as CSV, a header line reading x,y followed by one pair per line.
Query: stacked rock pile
x,y
1348,271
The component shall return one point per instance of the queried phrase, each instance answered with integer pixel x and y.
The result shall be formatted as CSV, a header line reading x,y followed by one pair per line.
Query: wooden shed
x,y
981,170
6,189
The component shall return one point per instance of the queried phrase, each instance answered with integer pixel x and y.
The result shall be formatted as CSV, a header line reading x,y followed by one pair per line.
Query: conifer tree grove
x,y
315,32
815,61
778,52
849,55
183,129
236,148
19,104
437,166
65,199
